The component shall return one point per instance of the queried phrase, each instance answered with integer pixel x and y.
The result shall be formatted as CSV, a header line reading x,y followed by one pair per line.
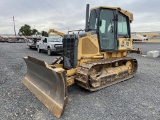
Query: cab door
x,y
107,30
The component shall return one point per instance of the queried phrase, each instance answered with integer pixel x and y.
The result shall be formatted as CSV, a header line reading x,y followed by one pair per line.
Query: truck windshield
x,y
54,40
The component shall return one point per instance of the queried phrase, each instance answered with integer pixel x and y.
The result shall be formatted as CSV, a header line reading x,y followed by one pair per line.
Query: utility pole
x,y
14,26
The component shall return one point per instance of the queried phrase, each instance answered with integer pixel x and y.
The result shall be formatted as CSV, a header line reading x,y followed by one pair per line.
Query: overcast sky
x,y
64,14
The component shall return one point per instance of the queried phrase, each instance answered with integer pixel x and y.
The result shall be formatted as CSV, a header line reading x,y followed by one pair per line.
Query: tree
x,y
34,31
25,30
44,33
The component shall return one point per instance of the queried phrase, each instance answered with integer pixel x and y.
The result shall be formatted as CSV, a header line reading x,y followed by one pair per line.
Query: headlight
x,y
52,45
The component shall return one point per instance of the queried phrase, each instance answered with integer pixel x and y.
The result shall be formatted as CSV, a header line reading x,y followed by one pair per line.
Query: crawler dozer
x,y
93,59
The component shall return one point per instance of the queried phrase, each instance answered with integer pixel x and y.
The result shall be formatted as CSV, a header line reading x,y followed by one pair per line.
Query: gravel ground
x,y
137,98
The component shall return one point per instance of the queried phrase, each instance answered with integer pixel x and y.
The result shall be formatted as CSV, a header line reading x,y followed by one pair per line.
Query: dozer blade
x,y
47,84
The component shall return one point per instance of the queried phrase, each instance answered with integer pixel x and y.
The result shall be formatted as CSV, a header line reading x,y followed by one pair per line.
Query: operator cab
x,y
109,24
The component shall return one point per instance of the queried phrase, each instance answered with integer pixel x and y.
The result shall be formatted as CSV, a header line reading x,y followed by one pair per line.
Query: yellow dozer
x,y
93,59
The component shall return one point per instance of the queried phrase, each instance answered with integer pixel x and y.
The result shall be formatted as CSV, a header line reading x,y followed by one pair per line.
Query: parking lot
x,y
135,99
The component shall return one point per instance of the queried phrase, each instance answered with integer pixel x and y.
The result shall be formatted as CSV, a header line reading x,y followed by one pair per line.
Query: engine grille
x,y
58,46
70,44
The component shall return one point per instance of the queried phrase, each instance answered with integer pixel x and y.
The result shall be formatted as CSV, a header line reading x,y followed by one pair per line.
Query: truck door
x,y
43,43
40,43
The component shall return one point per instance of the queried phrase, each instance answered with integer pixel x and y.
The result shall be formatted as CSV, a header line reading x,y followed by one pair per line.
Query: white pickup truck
x,y
50,44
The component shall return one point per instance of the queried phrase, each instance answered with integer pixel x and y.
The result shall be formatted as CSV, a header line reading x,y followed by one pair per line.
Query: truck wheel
x,y
49,52
38,49
30,47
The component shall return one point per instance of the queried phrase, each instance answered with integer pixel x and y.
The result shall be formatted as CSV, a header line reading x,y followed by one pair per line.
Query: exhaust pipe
x,y
87,17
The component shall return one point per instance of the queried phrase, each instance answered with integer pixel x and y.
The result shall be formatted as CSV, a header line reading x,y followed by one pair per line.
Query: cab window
x,y
123,25
45,40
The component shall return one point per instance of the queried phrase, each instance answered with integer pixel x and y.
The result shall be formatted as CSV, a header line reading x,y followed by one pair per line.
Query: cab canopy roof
x,y
125,12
